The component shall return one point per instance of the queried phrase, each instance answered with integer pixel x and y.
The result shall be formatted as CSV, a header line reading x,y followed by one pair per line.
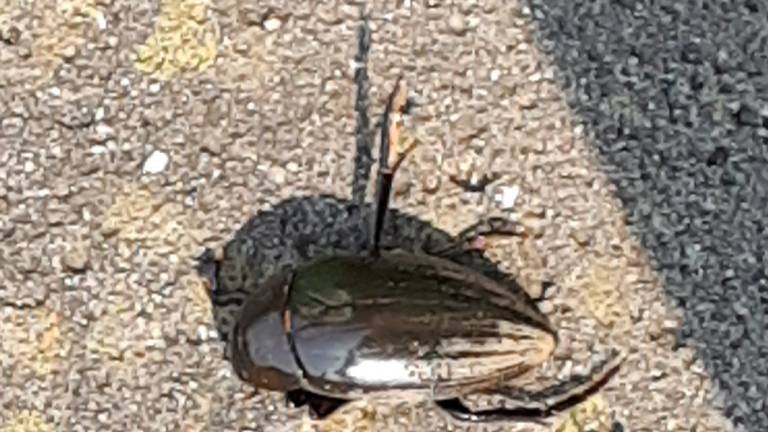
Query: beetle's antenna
x,y
389,157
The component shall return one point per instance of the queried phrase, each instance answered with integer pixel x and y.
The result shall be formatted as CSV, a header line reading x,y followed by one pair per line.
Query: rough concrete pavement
x,y
133,135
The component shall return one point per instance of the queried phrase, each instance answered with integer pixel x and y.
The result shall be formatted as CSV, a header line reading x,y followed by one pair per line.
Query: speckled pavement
x,y
630,140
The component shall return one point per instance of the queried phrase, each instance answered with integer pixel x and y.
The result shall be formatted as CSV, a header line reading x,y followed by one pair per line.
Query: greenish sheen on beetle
x,y
398,325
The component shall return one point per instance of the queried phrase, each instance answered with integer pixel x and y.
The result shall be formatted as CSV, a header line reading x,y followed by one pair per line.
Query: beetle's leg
x,y
456,408
475,236
538,404
320,407
389,157
474,186
495,226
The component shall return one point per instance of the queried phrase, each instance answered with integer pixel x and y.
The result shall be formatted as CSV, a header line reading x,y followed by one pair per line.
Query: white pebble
x,y
98,114
456,23
272,24
101,21
154,88
156,163
105,131
278,174
495,75
98,149
69,51
508,196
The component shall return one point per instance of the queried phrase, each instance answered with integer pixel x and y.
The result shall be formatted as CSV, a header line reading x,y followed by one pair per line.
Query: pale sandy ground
x,y
133,136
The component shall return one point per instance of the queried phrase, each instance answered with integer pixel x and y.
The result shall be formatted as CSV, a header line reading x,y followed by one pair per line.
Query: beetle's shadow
x,y
299,230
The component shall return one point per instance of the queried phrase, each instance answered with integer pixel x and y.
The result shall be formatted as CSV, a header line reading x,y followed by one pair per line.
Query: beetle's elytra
x,y
398,325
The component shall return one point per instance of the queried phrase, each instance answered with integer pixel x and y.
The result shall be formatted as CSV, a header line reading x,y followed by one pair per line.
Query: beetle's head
x,y
261,353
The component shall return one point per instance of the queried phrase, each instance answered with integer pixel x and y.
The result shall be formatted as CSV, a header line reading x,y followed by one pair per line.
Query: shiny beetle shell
x,y
348,326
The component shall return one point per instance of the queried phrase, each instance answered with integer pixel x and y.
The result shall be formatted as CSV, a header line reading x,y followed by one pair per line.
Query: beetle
x,y
388,324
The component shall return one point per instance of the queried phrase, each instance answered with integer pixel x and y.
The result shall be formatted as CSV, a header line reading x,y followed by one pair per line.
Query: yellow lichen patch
x,y
592,415
604,293
185,41
139,217
27,421
35,339
57,30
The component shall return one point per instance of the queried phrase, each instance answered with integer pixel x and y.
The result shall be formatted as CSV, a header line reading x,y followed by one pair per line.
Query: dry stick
x,y
399,100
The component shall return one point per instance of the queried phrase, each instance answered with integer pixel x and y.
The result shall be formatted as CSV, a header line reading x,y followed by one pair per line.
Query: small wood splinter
x,y
396,155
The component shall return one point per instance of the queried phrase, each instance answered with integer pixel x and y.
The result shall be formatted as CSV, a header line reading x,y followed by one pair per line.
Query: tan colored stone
x,y
77,257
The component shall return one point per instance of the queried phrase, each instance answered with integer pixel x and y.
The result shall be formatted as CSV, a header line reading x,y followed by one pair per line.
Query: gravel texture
x,y
133,135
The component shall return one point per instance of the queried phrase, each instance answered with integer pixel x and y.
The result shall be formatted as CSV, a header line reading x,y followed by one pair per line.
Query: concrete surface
x,y
133,135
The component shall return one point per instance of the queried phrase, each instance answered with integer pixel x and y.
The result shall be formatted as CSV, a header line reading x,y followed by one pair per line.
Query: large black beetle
x,y
388,324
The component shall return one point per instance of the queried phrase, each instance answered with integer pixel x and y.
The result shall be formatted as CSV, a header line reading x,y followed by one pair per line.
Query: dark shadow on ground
x,y
670,93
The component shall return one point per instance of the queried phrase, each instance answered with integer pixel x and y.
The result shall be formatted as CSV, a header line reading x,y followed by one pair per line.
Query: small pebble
x,y
277,174
98,149
104,132
431,184
507,196
457,24
581,238
11,35
69,52
11,126
156,163
272,24
77,257
546,307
